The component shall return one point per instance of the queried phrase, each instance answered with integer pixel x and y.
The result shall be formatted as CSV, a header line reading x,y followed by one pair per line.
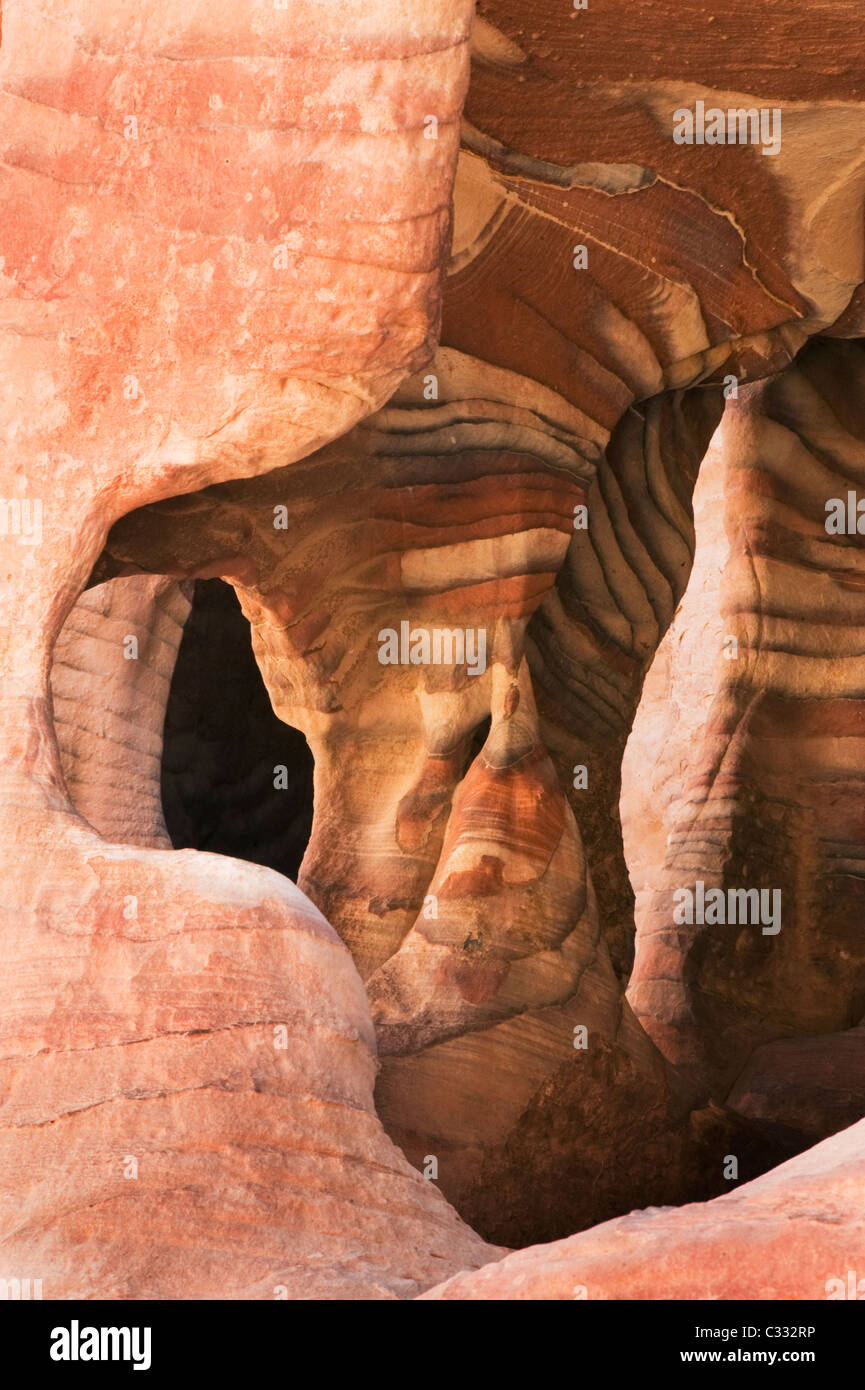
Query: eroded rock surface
x,y
223,235
187,1078
110,678
224,239
762,788
476,870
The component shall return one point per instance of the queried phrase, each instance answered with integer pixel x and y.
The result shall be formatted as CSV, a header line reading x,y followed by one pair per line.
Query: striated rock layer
x,y
763,788
110,678
606,287
223,238
187,1074
224,241
443,847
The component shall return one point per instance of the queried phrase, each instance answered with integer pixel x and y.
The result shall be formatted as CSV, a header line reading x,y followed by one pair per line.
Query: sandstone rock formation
x,y
188,1064
110,677
764,788
225,237
455,874
164,326
476,871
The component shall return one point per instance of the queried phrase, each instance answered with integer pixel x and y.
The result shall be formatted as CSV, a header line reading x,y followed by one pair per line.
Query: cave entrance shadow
x,y
223,746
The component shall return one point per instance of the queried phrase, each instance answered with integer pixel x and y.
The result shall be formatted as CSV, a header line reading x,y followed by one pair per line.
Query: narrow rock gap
x,y
222,788
479,738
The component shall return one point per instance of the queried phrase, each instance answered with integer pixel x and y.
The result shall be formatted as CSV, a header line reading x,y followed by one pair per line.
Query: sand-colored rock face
x,y
466,841
110,678
446,455
223,228
762,787
188,1064
796,1233
444,852
223,234
182,292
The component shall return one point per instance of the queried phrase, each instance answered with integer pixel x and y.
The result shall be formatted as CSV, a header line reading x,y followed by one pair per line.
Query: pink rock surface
x,y
750,750
223,237
110,678
224,231
186,1080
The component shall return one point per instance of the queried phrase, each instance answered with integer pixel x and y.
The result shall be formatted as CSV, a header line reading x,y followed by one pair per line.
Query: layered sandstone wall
x,y
409,358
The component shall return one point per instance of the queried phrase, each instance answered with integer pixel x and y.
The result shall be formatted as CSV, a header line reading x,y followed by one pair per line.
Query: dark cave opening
x,y
222,742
